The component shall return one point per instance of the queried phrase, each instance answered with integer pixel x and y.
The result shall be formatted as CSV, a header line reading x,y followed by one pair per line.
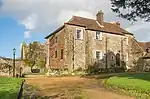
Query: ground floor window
x,y
118,59
55,54
99,55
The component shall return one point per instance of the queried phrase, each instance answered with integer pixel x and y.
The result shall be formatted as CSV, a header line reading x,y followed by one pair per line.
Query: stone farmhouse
x,y
83,42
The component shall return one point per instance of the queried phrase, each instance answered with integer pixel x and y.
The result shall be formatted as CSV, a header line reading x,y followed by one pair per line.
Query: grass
x,y
135,84
9,87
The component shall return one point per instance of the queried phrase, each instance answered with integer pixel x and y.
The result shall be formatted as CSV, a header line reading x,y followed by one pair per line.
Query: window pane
x,y
56,39
61,54
97,55
55,54
78,34
97,35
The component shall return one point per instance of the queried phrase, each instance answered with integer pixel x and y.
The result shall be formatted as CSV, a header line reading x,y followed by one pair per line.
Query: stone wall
x,y
6,64
135,52
57,63
110,44
82,53
75,48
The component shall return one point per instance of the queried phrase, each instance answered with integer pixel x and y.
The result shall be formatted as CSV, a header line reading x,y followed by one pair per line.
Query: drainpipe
x,y
121,52
73,52
106,51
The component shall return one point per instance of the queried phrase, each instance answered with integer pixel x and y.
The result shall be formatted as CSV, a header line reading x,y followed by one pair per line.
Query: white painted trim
x,y
101,54
101,36
127,56
81,34
99,24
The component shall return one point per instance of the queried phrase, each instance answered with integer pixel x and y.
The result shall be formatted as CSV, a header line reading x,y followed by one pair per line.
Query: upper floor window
x,y
55,54
99,55
98,35
147,50
56,39
61,54
79,34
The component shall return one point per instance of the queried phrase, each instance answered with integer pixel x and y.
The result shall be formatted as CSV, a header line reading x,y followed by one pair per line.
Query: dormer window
x,y
79,34
98,35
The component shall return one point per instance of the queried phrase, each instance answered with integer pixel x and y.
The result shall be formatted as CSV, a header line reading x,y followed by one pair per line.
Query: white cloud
x,y
45,15
141,30
27,34
30,22
139,25
65,15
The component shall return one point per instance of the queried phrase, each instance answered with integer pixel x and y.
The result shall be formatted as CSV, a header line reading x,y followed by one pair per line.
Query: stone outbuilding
x,y
144,61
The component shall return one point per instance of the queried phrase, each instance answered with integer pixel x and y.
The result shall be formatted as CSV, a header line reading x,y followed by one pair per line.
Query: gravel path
x,y
68,88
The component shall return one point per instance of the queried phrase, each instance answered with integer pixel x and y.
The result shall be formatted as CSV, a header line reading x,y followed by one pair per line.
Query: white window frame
x,y
100,55
98,36
80,34
127,56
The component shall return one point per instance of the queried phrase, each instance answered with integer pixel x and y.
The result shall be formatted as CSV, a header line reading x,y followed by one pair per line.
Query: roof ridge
x,y
74,16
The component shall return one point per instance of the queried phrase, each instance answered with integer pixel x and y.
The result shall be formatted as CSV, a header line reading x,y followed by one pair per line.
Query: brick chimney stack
x,y
100,17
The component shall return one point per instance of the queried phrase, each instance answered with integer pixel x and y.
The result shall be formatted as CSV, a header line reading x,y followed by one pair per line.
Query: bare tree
x,y
132,10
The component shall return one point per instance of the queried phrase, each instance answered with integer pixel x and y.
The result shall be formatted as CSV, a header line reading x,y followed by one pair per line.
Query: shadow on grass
x,y
142,76
102,76
8,95
132,75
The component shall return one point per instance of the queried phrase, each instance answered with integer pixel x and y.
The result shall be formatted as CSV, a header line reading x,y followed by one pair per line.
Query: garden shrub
x,y
35,70
79,71
92,70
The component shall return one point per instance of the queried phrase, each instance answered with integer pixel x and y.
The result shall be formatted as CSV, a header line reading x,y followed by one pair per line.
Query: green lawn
x,y
9,87
137,84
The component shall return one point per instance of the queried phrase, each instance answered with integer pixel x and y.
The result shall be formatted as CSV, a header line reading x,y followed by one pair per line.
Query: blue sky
x,y
32,20
12,35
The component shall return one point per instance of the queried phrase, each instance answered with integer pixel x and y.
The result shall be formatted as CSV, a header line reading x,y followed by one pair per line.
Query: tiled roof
x,y
92,24
146,56
145,45
57,30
